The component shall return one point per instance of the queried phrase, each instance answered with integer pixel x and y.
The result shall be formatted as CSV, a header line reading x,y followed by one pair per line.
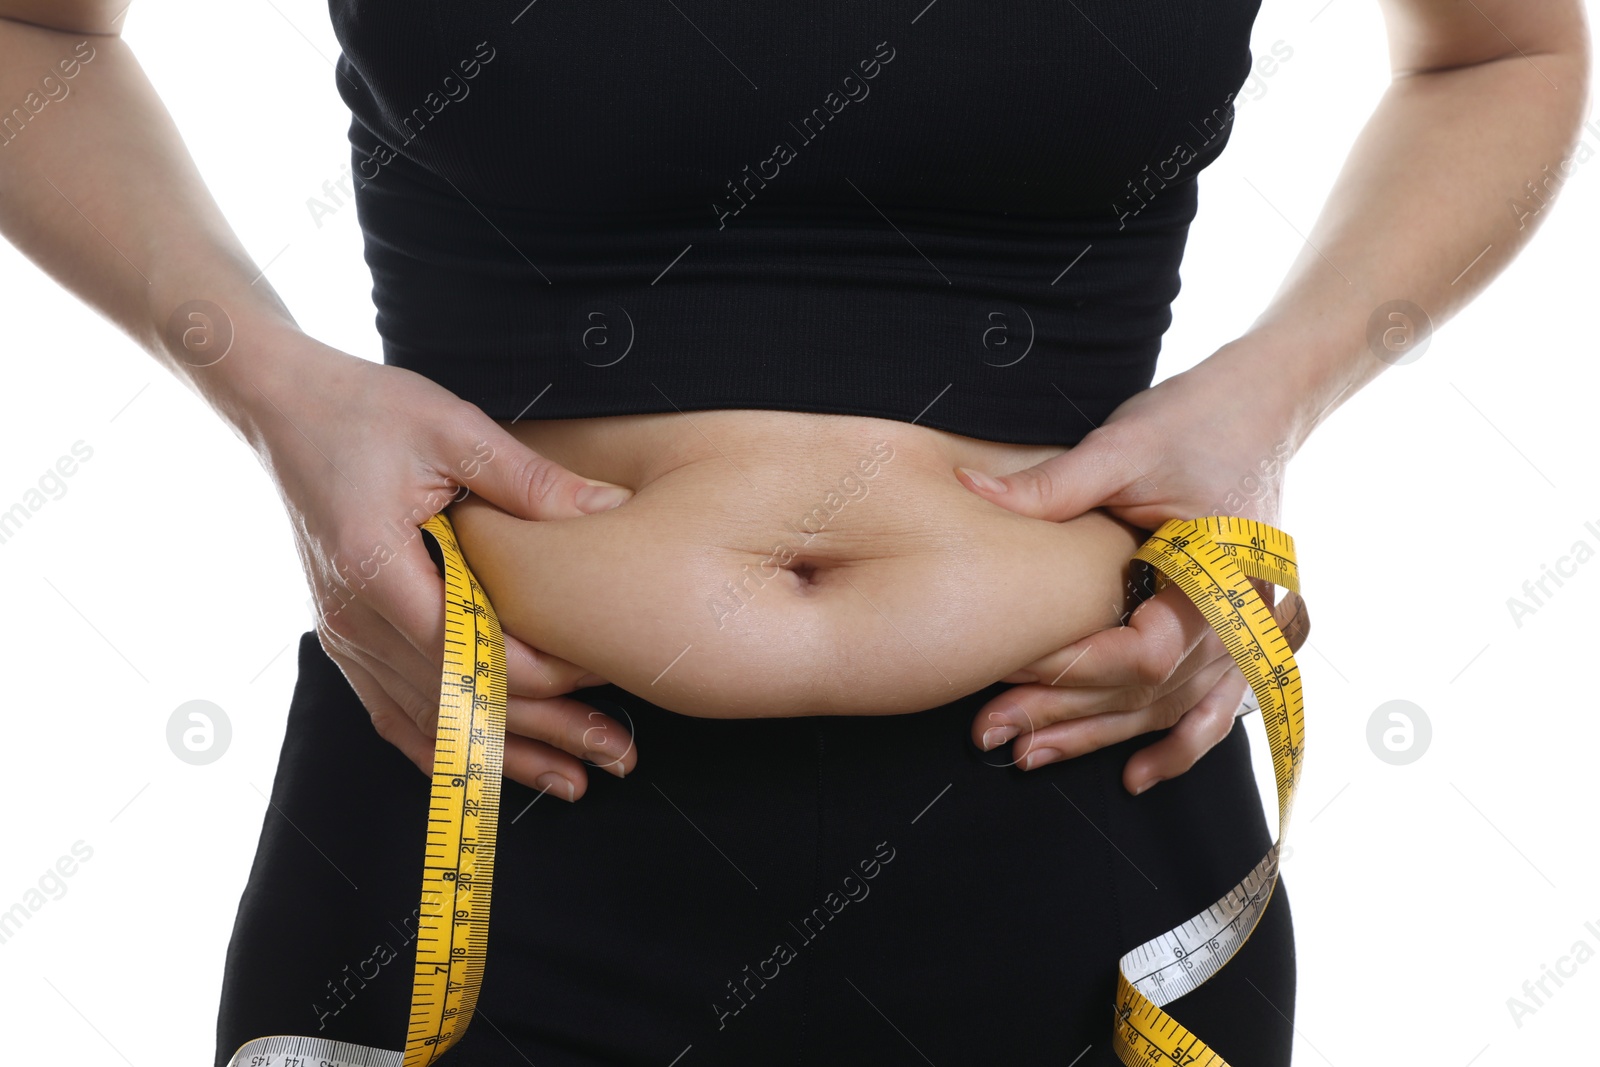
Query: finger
x,y
407,598
1205,725
1200,730
409,723
398,618
577,728
414,681
529,672
1063,487
515,478
538,766
367,635
562,724
389,719
367,632
530,760
1074,737
532,673
1161,634
404,597
1033,707
397,707
420,706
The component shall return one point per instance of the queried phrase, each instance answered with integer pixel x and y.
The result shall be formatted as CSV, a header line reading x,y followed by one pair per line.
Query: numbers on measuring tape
x,y
459,854
1212,561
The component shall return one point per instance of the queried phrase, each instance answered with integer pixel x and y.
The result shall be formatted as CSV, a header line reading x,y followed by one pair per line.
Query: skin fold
x,y
779,563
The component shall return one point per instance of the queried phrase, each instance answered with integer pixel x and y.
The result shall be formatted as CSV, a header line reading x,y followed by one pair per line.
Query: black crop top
x,y
970,216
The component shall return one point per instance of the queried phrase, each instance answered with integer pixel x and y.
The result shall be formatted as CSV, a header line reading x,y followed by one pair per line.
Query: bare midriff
x,y
778,563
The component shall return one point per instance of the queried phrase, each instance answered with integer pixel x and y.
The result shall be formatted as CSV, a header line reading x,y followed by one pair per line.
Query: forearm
x,y
97,188
1448,180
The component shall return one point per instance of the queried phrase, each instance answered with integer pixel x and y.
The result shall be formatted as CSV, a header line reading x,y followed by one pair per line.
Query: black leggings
x,y
818,890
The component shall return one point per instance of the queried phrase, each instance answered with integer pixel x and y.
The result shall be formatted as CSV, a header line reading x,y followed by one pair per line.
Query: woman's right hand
x,y
362,455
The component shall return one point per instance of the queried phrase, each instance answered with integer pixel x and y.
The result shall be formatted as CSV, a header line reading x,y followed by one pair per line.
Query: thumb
x,y
516,479
1061,488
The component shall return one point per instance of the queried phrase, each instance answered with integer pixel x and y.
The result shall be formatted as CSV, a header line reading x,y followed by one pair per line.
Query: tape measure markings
x,y
1212,561
458,853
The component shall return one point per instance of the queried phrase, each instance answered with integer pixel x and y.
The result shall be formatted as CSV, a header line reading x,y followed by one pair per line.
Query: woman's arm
x,y
1448,180
97,188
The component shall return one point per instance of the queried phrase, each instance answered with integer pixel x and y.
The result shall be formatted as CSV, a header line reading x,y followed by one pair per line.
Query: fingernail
x,y
609,764
596,498
552,782
1147,785
995,736
1039,757
982,480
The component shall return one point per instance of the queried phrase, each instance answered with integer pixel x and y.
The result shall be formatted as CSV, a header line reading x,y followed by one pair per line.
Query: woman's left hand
x,y
1213,440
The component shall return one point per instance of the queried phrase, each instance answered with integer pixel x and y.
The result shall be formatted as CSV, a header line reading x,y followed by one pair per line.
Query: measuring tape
x,y
458,861
1211,560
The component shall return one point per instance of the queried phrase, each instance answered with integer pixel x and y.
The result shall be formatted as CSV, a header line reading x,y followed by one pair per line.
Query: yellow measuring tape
x,y
1211,560
458,861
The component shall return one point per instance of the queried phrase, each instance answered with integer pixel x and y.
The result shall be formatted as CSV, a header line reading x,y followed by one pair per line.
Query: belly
x,y
780,563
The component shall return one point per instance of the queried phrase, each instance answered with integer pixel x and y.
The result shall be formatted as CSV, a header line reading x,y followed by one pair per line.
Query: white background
x,y
1424,895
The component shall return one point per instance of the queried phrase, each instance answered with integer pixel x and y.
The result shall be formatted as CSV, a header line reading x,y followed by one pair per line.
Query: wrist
x,y
236,358
213,319
1296,376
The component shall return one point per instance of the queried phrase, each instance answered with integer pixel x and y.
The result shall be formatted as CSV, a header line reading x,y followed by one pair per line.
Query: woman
x,y
798,365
